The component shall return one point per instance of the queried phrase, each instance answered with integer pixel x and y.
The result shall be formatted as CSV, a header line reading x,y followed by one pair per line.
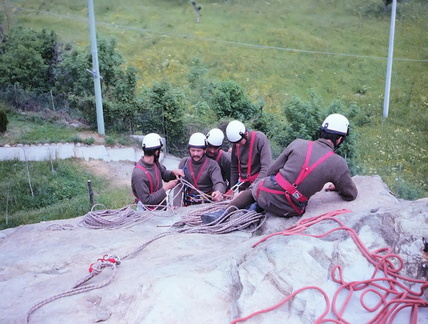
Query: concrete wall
x,y
46,152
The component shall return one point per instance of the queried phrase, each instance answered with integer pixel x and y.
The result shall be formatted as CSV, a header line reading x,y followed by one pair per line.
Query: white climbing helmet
x,y
215,137
152,141
336,124
235,131
197,140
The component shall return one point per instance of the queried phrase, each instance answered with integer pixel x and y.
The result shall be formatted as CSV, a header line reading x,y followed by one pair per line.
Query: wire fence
x,y
233,43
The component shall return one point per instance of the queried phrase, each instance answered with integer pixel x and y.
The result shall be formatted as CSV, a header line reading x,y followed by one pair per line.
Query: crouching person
x,y
203,175
301,170
148,175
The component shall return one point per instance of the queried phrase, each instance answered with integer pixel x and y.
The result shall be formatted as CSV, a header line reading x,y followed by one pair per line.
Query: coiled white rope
x,y
232,220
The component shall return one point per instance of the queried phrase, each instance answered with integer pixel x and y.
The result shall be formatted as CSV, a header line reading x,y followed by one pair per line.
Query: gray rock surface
x,y
213,278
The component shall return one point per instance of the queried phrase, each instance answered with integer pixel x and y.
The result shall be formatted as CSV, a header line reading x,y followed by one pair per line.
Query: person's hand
x,y
170,184
331,187
217,196
178,173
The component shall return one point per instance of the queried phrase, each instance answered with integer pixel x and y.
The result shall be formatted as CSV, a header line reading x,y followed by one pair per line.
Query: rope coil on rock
x,y
109,219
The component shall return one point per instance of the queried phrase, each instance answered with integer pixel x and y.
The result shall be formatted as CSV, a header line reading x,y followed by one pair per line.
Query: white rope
x,y
111,218
235,219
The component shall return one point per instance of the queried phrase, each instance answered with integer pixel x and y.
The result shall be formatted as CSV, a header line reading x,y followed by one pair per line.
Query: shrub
x,y
3,121
162,112
304,120
89,141
110,141
29,59
229,100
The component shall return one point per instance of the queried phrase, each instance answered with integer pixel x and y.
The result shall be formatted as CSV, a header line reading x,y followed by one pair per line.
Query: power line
x,y
139,29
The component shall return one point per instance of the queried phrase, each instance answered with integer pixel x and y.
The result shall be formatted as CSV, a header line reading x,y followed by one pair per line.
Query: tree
x,y
228,99
162,112
3,121
120,114
304,121
29,59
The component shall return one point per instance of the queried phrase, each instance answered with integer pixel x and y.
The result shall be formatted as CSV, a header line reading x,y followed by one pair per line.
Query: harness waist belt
x,y
288,187
249,178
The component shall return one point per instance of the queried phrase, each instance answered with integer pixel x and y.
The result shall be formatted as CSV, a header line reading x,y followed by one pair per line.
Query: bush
x,y
229,100
304,120
3,121
162,112
89,141
28,58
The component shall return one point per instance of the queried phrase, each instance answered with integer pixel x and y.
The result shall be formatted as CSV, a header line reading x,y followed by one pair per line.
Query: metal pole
x,y
95,69
389,66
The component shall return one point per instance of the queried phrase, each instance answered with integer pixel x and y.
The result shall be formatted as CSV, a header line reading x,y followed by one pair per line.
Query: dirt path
x,y
116,173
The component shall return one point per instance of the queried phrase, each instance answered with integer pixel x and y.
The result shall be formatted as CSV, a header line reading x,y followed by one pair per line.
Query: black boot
x,y
255,206
211,217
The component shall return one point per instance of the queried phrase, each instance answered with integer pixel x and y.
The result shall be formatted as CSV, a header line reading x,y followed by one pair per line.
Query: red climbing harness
x,y
291,189
190,198
158,176
192,173
250,178
220,152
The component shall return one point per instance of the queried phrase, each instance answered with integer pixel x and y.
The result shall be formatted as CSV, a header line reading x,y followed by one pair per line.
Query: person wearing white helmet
x,y
214,151
301,170
204,174
251,154
148,174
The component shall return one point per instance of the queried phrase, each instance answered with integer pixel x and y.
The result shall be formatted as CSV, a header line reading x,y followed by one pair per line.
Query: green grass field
x,y
276,49
273,49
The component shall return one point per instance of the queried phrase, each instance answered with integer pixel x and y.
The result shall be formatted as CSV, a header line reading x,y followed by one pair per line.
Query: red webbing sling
x,y
196,179
291,189
250,178
220,152
152,189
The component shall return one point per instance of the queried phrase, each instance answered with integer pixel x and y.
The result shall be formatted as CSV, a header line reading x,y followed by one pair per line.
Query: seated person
x,y
215,139
147,176
251,155
202,173
301,170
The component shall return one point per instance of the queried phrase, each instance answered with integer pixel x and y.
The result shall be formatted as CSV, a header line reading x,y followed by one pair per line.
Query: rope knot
x,y
105,261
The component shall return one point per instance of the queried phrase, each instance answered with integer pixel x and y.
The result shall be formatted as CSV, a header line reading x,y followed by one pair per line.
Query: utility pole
x,y
95,69
389,65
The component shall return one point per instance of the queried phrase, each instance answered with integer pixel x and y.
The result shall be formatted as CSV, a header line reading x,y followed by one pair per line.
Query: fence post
x,y
91,194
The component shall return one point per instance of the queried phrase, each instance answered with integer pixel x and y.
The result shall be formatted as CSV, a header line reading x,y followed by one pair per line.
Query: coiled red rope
x,y
393,296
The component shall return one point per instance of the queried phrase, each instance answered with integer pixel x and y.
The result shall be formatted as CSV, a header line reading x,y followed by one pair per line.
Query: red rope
x,y
393,296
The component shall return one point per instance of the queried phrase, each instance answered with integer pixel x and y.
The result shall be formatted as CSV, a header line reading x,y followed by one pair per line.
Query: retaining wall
x,y
47,152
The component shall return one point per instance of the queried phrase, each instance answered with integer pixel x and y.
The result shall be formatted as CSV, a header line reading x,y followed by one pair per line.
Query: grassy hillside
x,y
276,49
